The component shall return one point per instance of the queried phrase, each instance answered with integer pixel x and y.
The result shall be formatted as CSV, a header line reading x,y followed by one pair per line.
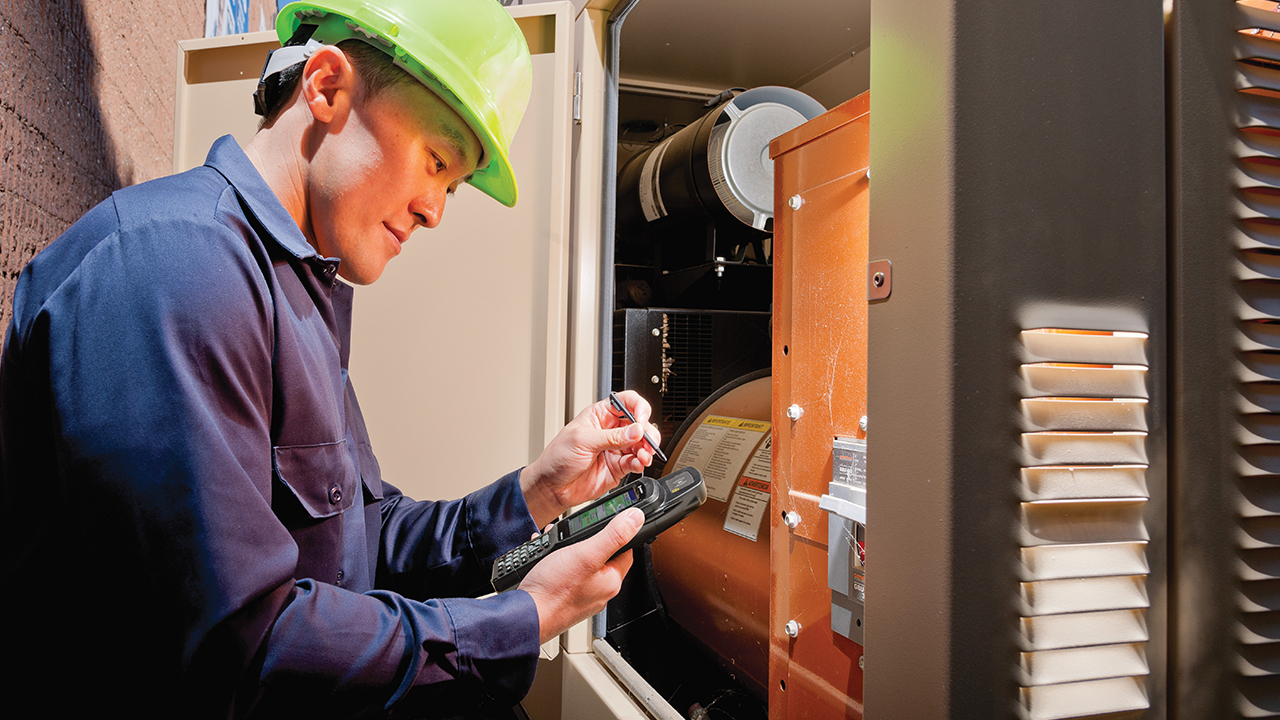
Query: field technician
x,y
196,525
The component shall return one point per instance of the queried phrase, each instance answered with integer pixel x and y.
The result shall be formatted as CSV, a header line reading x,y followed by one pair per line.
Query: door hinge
x,y
577,98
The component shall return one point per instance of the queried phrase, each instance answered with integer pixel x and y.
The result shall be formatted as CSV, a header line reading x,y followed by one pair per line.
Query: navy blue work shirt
x,y
195,522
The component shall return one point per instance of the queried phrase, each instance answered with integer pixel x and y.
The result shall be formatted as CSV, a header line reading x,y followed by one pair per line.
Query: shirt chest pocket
x,y
315,482
313,485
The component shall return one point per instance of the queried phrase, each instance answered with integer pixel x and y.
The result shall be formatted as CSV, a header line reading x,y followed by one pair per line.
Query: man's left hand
x,y
588,457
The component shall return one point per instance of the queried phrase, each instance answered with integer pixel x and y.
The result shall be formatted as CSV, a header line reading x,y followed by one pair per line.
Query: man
x,y
196,524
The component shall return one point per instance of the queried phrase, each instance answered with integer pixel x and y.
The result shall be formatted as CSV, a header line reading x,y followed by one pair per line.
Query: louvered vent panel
x,y
687,359
1083,597
1258,318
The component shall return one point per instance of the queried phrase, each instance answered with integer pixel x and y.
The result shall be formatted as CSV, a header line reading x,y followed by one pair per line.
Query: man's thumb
x,y
619,532
624,436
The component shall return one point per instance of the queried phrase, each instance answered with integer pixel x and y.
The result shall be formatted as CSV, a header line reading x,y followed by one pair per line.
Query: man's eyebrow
x,y
457,143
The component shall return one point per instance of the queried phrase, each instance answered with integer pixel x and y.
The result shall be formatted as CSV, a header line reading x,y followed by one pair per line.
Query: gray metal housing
x,y
1018,158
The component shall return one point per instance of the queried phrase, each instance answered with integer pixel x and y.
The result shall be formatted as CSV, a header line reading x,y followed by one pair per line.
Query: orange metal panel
x,y
819,364
831,120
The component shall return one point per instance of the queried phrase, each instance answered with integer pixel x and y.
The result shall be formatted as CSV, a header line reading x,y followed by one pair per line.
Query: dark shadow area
x,y
58,158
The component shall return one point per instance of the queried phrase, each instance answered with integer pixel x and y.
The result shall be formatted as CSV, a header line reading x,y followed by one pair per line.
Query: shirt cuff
x,y
498,643
498,519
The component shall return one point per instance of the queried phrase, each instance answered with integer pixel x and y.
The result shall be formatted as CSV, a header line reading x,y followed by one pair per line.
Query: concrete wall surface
x,y
86,107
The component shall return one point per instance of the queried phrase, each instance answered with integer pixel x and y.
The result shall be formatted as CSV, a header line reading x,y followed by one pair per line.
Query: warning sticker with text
x,y
751,498
720,449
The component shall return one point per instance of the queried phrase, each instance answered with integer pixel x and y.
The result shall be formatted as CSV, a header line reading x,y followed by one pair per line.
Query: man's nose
x,y
428,208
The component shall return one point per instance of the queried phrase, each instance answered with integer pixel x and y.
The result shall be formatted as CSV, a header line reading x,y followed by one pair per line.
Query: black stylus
x,y
617,405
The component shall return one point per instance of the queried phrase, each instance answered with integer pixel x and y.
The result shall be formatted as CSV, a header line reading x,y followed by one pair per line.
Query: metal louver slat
x,y
1083,630
1257,192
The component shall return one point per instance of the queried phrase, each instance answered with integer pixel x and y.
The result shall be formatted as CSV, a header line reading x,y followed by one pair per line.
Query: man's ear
x,y
328,80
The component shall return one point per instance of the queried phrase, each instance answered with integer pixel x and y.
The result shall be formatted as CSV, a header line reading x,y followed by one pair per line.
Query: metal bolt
x,y
862,661
655,380
862,423
795,411
792,519
792,628
878,279
795,201
656,332
868,173
719,266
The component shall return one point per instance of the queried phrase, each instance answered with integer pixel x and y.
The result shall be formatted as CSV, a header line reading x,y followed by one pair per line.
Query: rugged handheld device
x,y
665,502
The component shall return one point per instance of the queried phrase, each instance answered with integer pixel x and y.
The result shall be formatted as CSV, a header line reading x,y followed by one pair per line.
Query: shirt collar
x,y
228,159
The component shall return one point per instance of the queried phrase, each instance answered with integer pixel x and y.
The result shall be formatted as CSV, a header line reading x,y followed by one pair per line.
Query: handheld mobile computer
x,y
665,502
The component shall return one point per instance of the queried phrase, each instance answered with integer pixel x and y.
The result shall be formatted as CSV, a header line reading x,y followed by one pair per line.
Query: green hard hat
x,y
469,52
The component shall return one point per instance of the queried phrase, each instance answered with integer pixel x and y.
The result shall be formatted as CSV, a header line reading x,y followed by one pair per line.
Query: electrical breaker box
x,y
846,506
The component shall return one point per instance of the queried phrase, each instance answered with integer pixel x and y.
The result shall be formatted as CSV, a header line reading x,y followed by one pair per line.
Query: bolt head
x,y
656,332
794,411
862,423
655,380
794,202
792,519
792,628
862,661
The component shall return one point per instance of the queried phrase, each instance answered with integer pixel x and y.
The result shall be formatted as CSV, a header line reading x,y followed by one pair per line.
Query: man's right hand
x,y
576,582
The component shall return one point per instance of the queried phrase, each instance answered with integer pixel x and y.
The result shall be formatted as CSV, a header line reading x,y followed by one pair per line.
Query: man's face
x,y
383,171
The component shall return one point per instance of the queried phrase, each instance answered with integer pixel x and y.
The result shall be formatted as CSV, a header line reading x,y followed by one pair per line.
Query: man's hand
x,y
588,457
574,583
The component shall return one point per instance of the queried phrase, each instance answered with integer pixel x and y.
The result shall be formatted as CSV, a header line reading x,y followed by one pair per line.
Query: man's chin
x,y
359,276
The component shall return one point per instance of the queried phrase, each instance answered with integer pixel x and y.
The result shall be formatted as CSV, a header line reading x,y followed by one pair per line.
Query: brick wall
x,y
86,107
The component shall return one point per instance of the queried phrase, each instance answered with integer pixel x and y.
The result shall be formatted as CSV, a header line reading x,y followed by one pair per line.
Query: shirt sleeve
x,y
467,651
430,546
158,392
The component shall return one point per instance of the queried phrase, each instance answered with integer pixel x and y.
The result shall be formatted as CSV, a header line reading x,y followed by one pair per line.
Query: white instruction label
x,y
720,448
751,498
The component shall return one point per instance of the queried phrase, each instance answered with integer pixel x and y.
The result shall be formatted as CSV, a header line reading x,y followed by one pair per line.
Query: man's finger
x,y
616,534
630,437
621,438
636,404
621,563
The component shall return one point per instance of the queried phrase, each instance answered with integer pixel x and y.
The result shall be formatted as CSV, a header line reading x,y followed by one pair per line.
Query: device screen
x,y
603,511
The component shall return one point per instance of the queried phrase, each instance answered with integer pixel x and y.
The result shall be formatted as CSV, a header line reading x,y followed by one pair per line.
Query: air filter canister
x,y
718,166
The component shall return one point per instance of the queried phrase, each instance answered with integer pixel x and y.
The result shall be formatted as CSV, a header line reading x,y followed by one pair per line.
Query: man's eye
x,y
439,165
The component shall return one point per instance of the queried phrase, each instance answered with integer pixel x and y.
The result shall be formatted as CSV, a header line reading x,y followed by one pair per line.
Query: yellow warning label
x,y
720,448
754,425
750,500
